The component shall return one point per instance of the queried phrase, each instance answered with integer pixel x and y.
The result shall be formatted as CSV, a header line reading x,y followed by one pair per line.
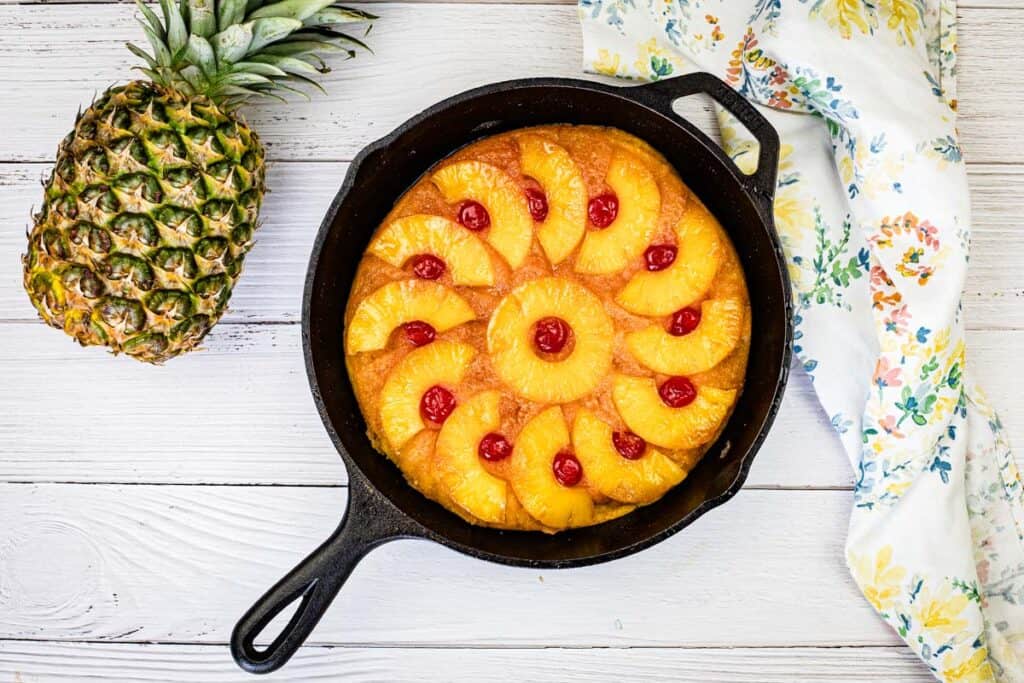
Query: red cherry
x,y
568,470
629,445
427,266
603,209
437,404
684,321
677,392
660,256
538,204
551,335
473,215
494,447
419,333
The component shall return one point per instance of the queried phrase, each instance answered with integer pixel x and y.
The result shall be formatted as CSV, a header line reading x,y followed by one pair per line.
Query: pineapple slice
x,y
400,302
721,324
638,402
639,481
441,362
611,249
510,340
462,252
458,466
551,166
690,275
533,479
511,230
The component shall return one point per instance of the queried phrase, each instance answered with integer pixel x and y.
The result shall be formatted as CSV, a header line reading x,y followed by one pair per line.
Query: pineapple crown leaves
x,y
235,50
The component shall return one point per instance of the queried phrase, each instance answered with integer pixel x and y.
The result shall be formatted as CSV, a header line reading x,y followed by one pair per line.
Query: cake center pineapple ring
x,y
548,329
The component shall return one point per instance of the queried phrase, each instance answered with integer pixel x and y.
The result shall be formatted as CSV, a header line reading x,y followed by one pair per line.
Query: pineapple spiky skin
x,y
694,425
148,215
400,302
640,481
611,249
509,340
155,195
719,330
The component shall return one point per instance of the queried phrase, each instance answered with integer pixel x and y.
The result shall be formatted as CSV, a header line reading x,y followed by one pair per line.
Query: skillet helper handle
x,y
662,94
368,523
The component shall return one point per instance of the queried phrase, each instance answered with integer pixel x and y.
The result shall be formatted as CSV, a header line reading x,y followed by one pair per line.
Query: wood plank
x,y
37,662
181,563
271,289
418,60
240,412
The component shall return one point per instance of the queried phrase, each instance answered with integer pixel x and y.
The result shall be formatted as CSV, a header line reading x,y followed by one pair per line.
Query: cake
x,y
548,329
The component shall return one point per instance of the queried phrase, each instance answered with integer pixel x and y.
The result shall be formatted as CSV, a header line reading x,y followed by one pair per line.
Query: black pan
x,y
382,507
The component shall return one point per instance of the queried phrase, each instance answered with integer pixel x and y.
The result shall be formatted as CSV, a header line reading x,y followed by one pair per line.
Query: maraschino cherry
x,y
684,321
603,209
419,333
537,203
677,392
629,445
427,266
494,447
659,256
550,335
568,470
473,216
437,404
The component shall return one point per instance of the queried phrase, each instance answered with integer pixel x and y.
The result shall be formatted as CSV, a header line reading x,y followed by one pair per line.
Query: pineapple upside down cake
x,y
548,329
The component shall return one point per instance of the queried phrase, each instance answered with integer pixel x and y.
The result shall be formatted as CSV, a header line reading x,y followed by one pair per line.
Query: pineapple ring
x,y
397,303
533,480
721,324
690,275
639,481
640,406
537,379
551,166
511,231
458,465
440,362
462,251
610,250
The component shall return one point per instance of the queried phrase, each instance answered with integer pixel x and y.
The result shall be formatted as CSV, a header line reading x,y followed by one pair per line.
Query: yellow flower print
x,y
975,668
654,61
878,579
904,17
939,614
607,62
845,15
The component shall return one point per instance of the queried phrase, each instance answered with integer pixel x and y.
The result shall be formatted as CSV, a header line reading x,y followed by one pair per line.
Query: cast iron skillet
x,y
382,507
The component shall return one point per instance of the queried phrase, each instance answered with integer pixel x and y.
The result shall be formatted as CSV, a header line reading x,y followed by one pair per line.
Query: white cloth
x,y
873,211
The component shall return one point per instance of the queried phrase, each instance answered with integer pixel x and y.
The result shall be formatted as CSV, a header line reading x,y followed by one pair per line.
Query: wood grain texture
x,y
418,60
181,564
271,289
31,662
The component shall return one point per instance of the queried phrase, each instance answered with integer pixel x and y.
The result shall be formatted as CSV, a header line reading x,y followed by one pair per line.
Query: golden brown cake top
x,y
548,329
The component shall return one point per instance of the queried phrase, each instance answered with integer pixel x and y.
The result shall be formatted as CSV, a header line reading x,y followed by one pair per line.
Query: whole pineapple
x,y
155,195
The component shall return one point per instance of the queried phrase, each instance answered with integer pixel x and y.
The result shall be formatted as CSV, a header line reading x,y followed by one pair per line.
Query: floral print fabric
x,y
873,212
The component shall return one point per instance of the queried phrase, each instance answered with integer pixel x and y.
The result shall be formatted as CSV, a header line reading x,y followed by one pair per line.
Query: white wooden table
x,y
143,509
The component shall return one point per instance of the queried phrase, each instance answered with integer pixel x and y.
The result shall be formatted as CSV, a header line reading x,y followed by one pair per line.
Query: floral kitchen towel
x,y
873,211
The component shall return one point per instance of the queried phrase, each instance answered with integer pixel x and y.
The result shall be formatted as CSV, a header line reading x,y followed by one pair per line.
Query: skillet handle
x,y
368,522
661,95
